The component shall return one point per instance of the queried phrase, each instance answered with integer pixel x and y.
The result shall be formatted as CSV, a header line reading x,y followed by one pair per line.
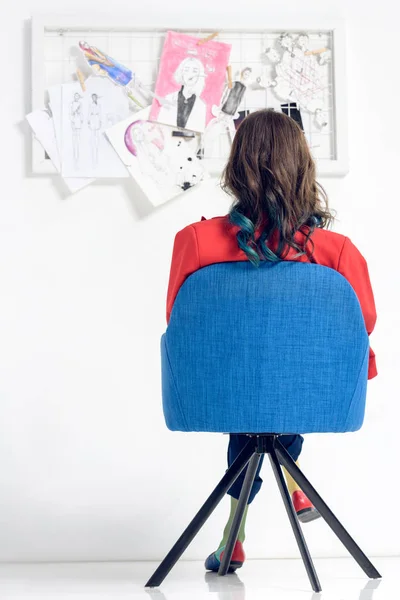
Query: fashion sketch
x,y
94,123
185,108
84,152
76,117
162,165
190,80
226,115
146,142
235,95
105,65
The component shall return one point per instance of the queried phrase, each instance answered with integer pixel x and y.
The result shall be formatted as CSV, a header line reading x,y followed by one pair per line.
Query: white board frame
x,y
326,168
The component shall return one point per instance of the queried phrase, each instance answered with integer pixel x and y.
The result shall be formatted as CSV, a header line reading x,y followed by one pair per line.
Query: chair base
x,y
250,456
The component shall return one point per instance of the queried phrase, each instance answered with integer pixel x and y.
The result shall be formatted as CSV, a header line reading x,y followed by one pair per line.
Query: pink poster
x,y
191,80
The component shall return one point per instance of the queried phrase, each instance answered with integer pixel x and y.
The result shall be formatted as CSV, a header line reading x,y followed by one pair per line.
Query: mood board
x,y
162,105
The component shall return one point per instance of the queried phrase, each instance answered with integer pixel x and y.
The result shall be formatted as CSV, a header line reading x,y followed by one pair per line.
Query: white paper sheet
x,y
43,126
55,95
164,166
85,151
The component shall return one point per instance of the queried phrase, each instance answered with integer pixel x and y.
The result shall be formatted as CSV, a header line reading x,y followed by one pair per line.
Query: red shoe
x,y
238,557
305,511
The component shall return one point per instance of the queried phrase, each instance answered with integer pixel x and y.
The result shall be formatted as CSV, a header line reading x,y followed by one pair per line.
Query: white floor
x,y
341,579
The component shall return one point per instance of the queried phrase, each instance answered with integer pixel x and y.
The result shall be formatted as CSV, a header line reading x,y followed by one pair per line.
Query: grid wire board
x,y
56,56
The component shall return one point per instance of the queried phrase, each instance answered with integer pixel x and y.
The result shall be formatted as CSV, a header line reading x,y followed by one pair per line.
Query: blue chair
x,y
281,349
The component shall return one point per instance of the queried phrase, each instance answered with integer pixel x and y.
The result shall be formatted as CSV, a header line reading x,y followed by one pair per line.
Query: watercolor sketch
x,y
190,81
234,96
221,130
232,111
105,66
162,161
84,150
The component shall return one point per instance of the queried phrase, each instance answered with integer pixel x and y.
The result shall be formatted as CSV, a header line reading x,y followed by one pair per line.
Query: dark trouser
x,y
237,441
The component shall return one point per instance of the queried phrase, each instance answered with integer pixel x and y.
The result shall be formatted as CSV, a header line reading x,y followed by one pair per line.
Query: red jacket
x,y
214,241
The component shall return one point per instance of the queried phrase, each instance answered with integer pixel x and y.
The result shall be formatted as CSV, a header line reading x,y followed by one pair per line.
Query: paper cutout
x,y
321,118
298,74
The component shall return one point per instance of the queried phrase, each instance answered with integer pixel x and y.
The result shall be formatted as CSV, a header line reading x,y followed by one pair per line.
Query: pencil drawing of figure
x,y
94,122
185,108
76,117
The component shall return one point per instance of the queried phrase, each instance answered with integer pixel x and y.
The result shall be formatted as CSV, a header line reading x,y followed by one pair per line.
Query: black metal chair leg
x,y
205,511
305,554
355,551
241,507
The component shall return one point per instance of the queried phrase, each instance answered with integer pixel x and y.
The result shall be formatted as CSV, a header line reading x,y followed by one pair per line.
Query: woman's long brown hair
x,y
271,176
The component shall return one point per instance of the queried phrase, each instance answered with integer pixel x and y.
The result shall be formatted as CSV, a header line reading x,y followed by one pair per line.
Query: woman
x,y
279,212
185,108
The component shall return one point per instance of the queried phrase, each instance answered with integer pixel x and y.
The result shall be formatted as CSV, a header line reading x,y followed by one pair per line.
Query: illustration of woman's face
x,y
94,98
246,74
191,73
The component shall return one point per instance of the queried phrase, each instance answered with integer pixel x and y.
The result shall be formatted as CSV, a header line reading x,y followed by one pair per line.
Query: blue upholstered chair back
x,y
278,349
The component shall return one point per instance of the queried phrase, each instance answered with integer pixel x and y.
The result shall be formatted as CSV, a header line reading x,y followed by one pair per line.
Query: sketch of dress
x,y
76,116
94,122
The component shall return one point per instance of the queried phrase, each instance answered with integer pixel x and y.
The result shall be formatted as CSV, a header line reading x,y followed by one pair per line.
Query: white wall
x,y
87,468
